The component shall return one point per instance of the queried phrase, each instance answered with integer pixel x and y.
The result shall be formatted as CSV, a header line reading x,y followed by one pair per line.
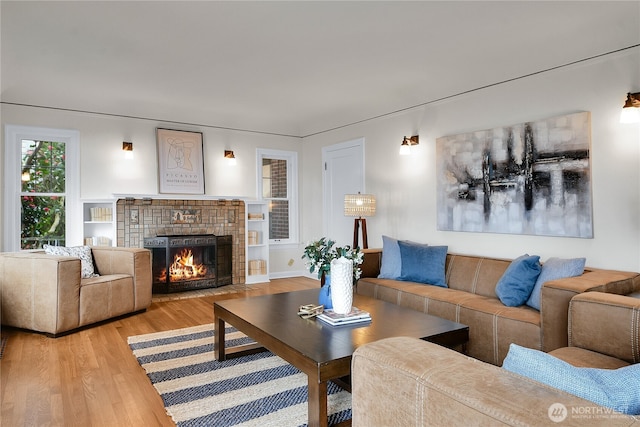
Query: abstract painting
x,y
531,178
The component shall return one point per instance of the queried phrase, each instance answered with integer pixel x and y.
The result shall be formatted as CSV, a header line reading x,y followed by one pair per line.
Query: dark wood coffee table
x,y
321,351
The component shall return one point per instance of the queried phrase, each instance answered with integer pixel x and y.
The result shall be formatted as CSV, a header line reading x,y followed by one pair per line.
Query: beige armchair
x,y
46,293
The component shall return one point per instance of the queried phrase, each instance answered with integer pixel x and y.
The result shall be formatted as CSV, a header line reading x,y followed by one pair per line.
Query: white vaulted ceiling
x,y
292,68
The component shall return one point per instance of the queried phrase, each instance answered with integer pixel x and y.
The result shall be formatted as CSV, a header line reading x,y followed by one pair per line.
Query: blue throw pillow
x,y
555,268
391,267
613,388
517,282
423,264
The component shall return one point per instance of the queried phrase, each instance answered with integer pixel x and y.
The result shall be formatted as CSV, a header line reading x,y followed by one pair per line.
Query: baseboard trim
x,y
289,274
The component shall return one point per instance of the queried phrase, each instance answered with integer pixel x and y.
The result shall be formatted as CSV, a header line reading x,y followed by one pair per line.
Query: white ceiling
x,y
293,68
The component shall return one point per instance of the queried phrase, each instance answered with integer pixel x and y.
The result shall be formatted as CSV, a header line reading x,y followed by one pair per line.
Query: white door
x,y
343,173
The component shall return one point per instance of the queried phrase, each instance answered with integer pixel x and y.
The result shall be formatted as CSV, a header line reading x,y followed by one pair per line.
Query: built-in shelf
x,y
99,222
257,242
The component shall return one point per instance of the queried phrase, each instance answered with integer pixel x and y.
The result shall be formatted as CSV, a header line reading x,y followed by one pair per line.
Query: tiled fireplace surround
x,y
149,217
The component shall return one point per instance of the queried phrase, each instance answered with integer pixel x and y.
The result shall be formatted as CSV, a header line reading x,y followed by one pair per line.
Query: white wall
x,y
406,186
104,171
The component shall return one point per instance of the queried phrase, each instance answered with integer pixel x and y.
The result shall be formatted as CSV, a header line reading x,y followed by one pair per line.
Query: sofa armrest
x,y
135,262
40,292
607,324
371,262
409,382
557,294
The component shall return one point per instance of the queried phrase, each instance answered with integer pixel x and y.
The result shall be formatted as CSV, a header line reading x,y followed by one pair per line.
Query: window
x,y
43,194
278,184
41,176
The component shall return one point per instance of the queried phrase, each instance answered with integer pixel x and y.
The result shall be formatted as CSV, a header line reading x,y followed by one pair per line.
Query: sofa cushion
x,y
105,297
613,388
82,252
475,274
581,357
555,268
391,266
494,326
423,264
517,282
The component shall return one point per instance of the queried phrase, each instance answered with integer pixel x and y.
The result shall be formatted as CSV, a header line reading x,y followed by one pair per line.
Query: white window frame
x,y
13,136
292,190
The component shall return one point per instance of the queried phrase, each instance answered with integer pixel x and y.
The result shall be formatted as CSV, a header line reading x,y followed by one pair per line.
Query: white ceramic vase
x,y
342,285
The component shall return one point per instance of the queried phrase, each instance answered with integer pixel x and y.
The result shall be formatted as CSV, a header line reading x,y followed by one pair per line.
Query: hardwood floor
x,y
90,377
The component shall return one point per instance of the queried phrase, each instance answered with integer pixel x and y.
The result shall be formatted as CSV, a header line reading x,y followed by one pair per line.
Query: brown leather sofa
x,y
408,382
471,299
46,293
604,331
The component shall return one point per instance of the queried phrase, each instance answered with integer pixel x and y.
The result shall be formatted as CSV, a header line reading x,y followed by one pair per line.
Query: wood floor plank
x,y
90,377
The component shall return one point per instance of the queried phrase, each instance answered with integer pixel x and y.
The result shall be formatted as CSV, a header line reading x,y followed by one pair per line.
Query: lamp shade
x,y
359,205
127,148
630,115
631,109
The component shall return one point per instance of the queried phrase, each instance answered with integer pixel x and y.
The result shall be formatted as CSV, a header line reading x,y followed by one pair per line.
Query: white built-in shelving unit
x,y
99,222
257,241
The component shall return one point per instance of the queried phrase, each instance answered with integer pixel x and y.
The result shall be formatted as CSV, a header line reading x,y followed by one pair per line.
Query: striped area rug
x,y
256,390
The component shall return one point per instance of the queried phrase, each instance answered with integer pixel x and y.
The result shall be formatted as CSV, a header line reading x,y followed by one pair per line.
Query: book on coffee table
x,y
355,316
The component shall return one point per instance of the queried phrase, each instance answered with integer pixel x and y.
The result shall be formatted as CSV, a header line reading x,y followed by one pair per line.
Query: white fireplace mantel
x,y
180,197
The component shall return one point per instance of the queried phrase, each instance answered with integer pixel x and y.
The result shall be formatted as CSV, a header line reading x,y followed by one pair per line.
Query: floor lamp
x,y
360,206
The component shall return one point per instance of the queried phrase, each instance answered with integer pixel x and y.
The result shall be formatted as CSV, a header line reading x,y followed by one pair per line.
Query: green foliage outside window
x,y
42,198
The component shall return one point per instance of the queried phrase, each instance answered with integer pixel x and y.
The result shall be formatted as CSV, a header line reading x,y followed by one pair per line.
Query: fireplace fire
x,y
183,268
186,262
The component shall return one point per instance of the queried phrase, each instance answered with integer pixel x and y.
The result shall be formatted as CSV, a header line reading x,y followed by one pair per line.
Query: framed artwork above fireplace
x,y
180,161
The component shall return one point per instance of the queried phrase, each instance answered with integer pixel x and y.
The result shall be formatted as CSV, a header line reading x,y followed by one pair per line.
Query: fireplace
x,y
186,262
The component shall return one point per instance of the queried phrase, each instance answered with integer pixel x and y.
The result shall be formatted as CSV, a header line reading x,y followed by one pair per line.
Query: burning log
x,y
183,268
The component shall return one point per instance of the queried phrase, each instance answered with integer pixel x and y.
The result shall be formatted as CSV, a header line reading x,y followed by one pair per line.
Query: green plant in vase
x,y
319,254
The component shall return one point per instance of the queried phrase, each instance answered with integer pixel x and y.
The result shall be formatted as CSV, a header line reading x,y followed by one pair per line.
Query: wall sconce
x,y
127,147
26,176
405,147
631,109
360,205
231,159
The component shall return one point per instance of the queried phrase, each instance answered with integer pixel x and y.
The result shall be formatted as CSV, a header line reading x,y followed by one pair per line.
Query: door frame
x,y
359,143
